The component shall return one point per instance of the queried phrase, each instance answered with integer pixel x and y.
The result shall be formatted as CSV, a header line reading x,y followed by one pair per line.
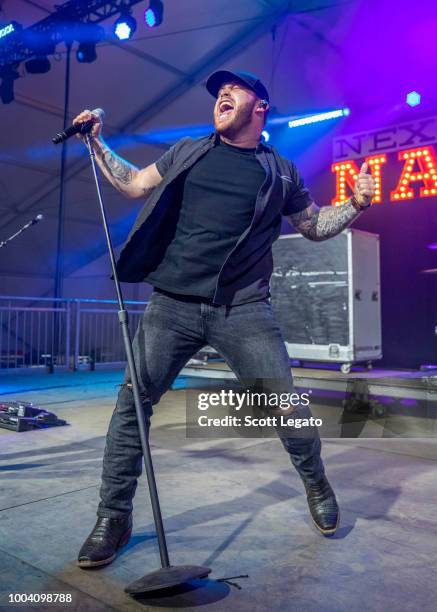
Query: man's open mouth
x,y
225,109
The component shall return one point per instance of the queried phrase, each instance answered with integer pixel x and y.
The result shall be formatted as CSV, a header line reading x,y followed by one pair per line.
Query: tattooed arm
x,y
322,223
127,178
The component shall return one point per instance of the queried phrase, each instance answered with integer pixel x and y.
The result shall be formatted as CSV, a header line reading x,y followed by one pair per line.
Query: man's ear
x,y
262,106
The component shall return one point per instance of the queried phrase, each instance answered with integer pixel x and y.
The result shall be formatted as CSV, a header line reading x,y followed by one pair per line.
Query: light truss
x,y
57,27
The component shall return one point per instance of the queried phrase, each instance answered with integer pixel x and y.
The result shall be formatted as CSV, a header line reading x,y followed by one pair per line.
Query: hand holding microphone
x,y
87,122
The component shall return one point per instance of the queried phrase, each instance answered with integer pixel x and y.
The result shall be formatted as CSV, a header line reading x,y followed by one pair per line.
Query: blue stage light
x,y
265,135
122,31
342,112
154,14
88,36
9,29
86,53
150,18
413,98
125,27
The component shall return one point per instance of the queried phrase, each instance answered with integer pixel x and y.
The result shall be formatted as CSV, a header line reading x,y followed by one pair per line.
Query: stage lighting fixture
x,y
343,112
154,14
8,76
413,98
42,48
125,26
265,135
38,65
88,36
9,29
86,52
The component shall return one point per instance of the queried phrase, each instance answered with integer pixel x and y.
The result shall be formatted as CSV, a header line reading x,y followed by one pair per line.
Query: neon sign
x,y
418,133
424,158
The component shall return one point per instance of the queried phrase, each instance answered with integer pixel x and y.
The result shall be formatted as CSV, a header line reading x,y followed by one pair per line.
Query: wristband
x,y
356,204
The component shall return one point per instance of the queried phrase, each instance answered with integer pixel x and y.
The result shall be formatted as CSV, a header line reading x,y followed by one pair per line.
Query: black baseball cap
x,y
216,80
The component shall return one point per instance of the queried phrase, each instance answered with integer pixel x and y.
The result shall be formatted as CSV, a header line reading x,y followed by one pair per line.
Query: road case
x,y
326,296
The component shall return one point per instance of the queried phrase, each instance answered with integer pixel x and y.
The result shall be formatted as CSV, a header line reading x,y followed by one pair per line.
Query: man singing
x,y
203,240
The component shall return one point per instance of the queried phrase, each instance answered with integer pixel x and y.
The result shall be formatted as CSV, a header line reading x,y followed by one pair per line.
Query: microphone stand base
x,y
166,578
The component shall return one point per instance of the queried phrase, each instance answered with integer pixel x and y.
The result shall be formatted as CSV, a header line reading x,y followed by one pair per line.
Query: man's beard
x,y
240,118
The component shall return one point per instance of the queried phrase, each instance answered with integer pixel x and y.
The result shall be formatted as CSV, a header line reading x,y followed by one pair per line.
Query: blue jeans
x,y
171,331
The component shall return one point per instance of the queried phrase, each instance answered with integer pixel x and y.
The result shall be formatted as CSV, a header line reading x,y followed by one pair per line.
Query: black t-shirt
x,y
216,205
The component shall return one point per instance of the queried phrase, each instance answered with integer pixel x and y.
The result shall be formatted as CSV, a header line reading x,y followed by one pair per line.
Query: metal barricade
x,y
98,339
34,332
39,332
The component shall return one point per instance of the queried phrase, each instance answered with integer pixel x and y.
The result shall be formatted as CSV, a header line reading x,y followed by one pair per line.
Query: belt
x,y
184,297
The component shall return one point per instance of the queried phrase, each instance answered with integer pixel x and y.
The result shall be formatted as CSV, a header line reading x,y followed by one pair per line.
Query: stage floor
x,y
235,505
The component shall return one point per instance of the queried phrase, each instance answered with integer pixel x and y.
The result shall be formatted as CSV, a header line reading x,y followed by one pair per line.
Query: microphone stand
x,y
168,575
33,222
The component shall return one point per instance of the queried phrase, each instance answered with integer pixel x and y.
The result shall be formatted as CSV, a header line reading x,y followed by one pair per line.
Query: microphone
x,y
27,225
79,128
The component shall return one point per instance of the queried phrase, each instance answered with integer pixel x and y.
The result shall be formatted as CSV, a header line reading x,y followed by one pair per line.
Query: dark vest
x,y
245,275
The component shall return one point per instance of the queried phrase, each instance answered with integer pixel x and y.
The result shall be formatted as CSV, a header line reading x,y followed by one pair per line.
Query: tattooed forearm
x,y
127,178
334,219
116,167
322,223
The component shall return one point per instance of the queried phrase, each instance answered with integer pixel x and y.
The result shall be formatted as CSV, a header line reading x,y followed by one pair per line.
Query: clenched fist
x,y
364,187
85,116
